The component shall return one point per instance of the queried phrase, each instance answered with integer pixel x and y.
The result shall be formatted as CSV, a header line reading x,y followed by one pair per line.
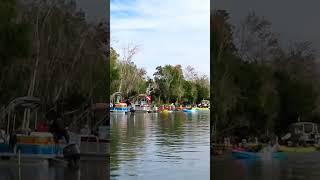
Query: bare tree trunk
x,y
66,84
33,77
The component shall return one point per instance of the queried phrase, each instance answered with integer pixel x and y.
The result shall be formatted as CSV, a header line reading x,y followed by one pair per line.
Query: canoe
x,y
252,155
297,149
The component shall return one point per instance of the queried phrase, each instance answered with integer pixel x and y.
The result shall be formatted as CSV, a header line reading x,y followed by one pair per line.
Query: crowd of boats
x,y
27,133
302,137
143,104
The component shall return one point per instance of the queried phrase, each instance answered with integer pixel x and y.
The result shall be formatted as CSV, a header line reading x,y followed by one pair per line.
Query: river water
x,y
172,146
295,167
97,170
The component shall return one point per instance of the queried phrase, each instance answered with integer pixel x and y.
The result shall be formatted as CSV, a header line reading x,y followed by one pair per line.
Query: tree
x,y
15,46
170,82
255,41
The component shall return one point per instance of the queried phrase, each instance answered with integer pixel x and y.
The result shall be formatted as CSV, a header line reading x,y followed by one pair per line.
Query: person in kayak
x,y
57,127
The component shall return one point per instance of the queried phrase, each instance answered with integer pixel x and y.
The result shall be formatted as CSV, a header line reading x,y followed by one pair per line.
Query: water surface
x,y
295,167
97,170
156,146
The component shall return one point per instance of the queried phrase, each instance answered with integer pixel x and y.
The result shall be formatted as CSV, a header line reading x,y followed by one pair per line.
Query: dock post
x,y
19,158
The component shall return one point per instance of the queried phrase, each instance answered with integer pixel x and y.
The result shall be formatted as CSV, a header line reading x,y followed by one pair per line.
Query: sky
x,y
167,32
292,19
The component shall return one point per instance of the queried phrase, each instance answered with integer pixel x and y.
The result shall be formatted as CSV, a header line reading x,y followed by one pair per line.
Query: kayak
x,y
203,109
189,110
297,149
165,111
252,155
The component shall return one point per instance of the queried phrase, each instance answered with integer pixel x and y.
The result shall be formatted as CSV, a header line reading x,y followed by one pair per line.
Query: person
x,y
128,103
57,127
85,130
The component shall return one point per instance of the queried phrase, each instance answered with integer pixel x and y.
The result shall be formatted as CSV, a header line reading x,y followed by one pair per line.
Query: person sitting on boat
x,y
128,103
85,130
57,127
244,144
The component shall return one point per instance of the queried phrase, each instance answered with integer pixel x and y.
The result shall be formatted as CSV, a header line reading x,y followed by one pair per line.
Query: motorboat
x,y
117,104
20,138
142,103
93,139
302,132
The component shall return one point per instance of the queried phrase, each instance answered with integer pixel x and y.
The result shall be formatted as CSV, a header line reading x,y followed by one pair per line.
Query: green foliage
x,y
14,35
262,90
68,54
168,84
170,81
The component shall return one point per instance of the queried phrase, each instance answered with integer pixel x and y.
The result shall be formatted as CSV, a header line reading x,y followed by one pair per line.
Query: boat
x,y
25,142
204,105
93,140
302,133
202,109
179,108
154,109
33,145
166,111
117,106
192,110
240,154
142,103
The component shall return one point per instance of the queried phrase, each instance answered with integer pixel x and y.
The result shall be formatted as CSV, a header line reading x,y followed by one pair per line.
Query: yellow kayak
x,y
298,149
203,109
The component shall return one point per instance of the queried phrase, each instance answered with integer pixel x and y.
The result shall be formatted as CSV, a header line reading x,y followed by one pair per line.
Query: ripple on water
x,y
161,146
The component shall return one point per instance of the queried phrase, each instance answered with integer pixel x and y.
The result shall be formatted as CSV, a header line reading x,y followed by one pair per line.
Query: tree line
x,y
260,86
49,50
169,84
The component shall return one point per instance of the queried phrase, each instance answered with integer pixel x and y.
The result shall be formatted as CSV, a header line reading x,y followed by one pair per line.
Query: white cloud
x,y
169,31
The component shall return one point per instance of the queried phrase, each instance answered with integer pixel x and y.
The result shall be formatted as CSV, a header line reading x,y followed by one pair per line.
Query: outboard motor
x,y
72,154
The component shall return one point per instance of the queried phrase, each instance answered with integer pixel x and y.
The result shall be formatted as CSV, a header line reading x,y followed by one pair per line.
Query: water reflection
x,y
172,145
297,166
97,170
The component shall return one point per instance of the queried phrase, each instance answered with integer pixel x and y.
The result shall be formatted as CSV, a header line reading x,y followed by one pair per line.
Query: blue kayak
x,y
189,110
252,155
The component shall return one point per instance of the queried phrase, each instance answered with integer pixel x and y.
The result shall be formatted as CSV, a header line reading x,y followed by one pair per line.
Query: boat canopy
x,y
116,98
25,102
305,127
